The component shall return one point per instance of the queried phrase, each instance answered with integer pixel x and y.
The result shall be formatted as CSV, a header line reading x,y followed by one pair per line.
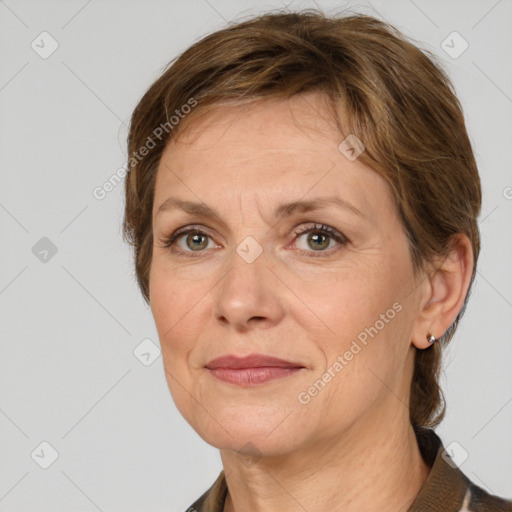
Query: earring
x,y
431,338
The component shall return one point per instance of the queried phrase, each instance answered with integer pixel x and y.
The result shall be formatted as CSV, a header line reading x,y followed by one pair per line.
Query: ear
x,y
443,292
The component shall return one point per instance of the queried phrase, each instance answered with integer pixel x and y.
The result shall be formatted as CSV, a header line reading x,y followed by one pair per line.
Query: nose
x,y
249,295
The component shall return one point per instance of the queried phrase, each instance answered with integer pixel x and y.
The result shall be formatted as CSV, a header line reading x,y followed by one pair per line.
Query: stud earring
x,y
431,338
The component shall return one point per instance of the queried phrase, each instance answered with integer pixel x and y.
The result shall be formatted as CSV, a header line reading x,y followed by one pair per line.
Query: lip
x,y
251,361
251,370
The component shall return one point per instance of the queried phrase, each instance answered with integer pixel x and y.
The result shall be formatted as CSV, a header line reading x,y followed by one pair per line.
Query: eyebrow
x,y
284,210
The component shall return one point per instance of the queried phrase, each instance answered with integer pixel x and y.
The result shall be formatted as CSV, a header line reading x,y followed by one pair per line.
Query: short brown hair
x,y
385,90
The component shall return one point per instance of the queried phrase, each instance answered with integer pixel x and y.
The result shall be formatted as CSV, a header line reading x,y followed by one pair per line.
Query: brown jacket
x,y
446,489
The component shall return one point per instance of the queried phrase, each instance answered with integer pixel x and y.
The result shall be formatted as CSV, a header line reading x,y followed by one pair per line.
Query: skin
x,y
351,447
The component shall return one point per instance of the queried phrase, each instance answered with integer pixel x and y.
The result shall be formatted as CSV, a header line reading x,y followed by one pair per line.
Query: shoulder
x,y
447,487
478,500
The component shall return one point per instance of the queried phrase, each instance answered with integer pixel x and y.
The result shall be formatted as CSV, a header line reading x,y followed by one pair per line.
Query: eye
x,y
311,239
318,238
189,239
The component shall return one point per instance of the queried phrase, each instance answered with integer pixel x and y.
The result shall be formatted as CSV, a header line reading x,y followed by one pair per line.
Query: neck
x,y
366,468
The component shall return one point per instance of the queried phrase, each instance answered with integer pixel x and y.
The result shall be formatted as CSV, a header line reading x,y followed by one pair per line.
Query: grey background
x,y
70,323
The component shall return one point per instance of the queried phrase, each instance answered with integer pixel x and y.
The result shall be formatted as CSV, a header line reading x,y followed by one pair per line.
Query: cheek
x,y
363,321
346,301
175,306
176,319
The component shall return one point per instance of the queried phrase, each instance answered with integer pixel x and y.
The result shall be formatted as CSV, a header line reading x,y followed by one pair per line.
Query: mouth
x,y
251,370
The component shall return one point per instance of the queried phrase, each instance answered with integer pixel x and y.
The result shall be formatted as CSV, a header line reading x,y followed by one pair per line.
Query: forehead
x,y
303,115
273,148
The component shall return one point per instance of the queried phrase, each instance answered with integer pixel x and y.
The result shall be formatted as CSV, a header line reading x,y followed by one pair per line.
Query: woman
x,y
302,202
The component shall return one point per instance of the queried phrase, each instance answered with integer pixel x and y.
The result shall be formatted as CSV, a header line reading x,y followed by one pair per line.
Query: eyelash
x,y
317,228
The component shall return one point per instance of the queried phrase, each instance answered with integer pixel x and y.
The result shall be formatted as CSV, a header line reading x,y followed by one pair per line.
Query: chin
x,y
249,431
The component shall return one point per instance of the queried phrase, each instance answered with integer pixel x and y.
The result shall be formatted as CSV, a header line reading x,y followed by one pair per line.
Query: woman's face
x,y
340,300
